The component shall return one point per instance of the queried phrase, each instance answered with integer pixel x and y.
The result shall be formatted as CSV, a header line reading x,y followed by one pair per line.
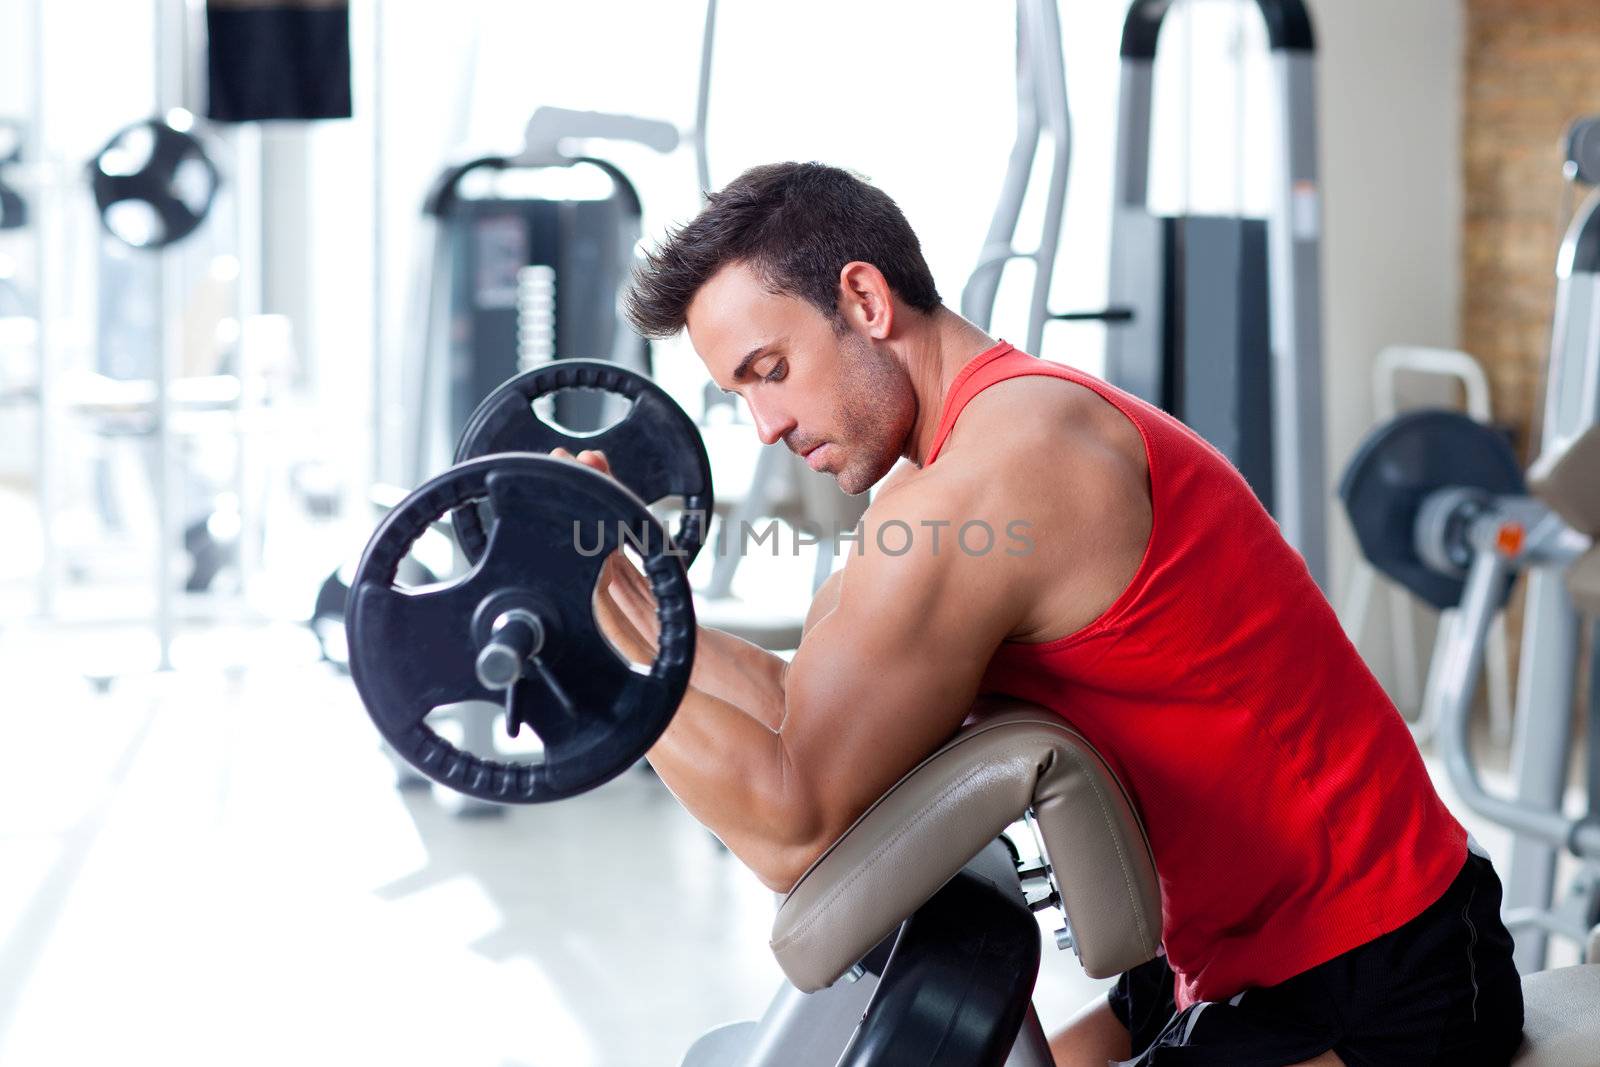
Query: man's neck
x,y
934,356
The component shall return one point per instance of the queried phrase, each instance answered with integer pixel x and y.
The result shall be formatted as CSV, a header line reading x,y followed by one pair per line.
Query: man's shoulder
x,y
1040,435
924,494
1034,452
1033,409
1059,464
938,548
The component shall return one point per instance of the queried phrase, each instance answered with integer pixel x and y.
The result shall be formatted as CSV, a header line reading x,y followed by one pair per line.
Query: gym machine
x,y
154,184
1218,320
1445,367
154,193
1440,505
1041,106
516,278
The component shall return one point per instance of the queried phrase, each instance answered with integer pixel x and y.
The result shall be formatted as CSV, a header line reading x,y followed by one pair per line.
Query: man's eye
x,y
779,371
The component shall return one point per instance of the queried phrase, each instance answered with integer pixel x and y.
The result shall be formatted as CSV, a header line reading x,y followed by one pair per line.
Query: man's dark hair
x,y
796,225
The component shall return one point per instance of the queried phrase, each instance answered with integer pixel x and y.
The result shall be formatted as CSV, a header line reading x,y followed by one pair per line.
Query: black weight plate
x,y
1397,466
13,138
327,616
160,168
413,651
13,209
1583,150
955,989
655,450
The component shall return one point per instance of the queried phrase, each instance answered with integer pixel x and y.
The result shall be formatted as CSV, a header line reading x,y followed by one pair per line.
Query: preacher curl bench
x,y
910,941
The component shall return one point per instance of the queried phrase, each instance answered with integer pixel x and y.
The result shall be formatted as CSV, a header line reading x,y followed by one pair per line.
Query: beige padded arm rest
x,y
942,814
1561,1018
1569,482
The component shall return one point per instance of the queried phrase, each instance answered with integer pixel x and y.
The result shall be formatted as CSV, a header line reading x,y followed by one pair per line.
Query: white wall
x,y
1390,101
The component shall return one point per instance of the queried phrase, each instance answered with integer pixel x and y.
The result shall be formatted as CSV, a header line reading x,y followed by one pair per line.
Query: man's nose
x,y
771,425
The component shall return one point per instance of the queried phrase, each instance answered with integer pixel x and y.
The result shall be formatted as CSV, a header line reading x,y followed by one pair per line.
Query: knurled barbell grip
x,y
515,637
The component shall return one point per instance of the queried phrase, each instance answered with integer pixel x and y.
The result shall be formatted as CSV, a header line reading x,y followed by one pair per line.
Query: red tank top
x,y
1286,803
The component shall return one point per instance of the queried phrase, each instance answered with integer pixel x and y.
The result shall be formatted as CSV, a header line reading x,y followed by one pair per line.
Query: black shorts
x,y
1441,989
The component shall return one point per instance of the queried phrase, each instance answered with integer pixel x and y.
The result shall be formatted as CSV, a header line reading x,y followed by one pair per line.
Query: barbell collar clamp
x,y
515,637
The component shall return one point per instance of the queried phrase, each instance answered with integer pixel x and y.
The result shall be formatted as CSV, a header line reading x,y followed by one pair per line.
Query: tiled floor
x,y
212,867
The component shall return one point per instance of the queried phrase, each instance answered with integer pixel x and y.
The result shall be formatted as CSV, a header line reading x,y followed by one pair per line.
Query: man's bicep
x,y
825,600
888,675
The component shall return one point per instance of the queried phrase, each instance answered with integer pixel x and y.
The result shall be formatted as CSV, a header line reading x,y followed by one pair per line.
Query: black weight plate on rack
x,y
166,169
1395,469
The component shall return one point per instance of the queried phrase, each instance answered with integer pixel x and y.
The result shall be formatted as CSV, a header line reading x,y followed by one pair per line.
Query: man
x,y
1319,903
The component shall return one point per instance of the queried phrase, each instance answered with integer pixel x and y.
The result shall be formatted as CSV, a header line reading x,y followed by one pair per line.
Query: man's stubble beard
x,y
875,412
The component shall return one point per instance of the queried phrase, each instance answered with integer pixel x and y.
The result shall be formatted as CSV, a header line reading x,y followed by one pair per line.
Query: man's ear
x,y
865,300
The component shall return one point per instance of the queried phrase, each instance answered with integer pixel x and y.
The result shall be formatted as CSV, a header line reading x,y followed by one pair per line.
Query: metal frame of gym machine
x,y
1165,325
548,130
178,76
1551,651
1440,503
1041,104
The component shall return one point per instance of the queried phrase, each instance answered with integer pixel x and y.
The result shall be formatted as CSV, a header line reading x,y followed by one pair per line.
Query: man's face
x,y
835,397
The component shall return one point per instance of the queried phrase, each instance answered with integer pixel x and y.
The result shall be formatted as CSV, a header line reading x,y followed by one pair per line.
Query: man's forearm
x,y
723,753
731,771
745,675
727,667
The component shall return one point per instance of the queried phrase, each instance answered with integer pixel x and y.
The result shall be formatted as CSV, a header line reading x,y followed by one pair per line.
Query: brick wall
x,y
1531,67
